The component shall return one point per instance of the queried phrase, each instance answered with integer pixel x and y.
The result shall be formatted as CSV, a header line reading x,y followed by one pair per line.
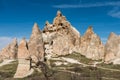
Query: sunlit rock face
x,y
36,44
91,45
23,49
112,49
23,67
10,52
60,37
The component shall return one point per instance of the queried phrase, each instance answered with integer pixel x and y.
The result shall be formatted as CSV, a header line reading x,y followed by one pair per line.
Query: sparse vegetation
x,y
110,66
69,72
8,71
80,58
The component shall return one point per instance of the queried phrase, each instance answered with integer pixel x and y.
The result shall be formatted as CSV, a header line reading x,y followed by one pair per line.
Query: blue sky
x,y
18,16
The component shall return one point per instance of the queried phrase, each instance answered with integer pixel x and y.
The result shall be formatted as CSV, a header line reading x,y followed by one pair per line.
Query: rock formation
x,y
91,45
10,52
23,64
112,49
60,37
36,44
23,52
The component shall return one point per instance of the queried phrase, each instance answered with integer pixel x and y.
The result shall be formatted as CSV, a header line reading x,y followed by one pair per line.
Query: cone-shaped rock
x,y
23,49
23,68
36,45
10,52
91,45
61,38
112,49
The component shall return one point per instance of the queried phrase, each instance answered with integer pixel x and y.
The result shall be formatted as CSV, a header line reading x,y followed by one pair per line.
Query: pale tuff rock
x,y
59,19
47,27
24,65
91,45
36,44
60,37
23,49
23,69
10,52
112,49
116,61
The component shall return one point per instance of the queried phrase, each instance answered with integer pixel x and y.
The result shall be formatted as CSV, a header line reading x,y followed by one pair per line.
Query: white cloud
x,y
115,12
88,5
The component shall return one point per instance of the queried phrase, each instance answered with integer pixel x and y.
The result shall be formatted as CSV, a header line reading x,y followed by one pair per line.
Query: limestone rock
x,y
112,48
36,44
91,45
23,49
10,52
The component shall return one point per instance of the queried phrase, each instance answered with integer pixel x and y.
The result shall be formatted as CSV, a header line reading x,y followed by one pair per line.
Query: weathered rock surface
x,y
91,45
112,49
23,69
9,52
23,52
60,37
23,64
36,44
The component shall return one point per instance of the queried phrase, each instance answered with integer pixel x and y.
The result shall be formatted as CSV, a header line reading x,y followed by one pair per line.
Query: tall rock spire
x,y
14,48
24,67
35,30
23,49
91,46
36,45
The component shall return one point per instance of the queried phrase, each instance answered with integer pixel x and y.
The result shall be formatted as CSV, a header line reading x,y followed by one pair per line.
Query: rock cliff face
x,y
36,44
91,45
112,49
60,37
9,52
